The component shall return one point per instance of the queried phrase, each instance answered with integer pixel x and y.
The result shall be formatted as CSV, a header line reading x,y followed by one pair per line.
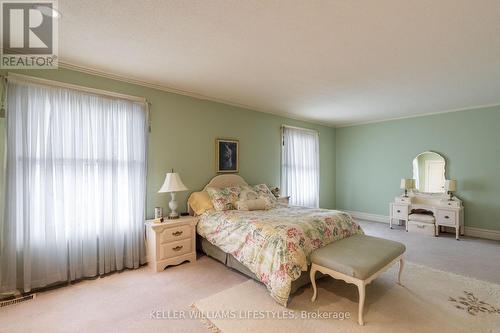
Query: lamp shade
x,y
173,183
407,183
450,185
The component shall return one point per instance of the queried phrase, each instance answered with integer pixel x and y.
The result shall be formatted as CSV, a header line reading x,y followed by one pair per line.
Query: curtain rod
x,y
300,128
32,79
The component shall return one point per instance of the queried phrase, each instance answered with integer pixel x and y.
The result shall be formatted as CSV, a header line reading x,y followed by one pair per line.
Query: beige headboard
x,y
222,181
226,181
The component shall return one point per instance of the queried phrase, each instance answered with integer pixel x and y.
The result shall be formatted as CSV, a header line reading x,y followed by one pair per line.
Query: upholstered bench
x,y
358,259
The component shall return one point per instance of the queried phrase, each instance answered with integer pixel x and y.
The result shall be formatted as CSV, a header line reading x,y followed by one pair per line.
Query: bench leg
x,y
401,266
312,275
361,290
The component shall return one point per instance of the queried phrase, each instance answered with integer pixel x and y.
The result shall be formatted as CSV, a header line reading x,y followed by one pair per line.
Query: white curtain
x,y
76,182
416,172
300,166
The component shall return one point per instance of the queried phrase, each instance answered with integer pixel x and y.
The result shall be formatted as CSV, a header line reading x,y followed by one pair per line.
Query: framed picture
x,y
227,155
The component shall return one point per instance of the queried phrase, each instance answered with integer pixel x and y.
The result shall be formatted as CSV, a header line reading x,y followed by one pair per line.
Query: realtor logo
x,y
29,34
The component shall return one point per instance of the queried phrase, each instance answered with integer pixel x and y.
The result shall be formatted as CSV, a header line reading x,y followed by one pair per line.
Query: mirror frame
x,y
416,190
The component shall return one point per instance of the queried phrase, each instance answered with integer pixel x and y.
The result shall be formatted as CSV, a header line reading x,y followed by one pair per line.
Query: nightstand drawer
x,y
176,233
400,212
175,249
446,217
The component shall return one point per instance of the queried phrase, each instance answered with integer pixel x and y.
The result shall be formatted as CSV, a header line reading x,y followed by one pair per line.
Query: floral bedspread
x,y
275,244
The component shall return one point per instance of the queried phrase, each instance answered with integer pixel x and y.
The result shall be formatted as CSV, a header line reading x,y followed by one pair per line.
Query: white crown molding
x,y
156,86
416,115
469,231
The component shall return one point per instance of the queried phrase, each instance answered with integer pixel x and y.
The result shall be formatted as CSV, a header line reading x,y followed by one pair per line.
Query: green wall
x,y
371,160
183,137
361,166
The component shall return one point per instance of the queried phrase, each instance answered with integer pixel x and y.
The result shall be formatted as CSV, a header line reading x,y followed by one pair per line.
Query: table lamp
x,y
450,186
173,184
407,184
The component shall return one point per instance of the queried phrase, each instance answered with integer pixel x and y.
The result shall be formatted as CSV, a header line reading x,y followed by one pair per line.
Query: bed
x,y
271,246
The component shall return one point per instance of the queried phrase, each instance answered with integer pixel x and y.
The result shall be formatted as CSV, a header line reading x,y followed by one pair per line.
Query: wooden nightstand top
x,y
172,223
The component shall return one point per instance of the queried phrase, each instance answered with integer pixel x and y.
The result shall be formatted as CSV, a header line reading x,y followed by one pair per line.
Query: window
x,y
300,166
76,183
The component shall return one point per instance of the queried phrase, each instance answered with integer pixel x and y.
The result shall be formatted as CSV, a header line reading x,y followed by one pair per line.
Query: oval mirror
x,y
429,172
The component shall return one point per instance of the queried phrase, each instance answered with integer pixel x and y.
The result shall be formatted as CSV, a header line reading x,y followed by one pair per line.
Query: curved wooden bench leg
x,y
401,266
312,275
361,290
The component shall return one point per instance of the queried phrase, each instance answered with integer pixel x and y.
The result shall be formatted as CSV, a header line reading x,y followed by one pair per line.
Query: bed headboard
x,y
222,181
226,181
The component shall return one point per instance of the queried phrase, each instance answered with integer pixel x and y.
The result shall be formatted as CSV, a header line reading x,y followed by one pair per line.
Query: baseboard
x,y
469,231
368,216
482,233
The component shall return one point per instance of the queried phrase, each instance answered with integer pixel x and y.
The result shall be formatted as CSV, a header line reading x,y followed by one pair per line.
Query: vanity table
x,y
446,213
430,206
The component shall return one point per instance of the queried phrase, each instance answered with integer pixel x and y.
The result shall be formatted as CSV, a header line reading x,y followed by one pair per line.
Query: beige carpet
x,y
123,302
430,301
474,257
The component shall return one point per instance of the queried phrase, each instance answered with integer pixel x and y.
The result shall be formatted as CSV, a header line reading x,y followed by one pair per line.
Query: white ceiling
x,y
334,62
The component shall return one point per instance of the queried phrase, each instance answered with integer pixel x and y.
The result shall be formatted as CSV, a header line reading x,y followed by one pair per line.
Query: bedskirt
x,y
230,261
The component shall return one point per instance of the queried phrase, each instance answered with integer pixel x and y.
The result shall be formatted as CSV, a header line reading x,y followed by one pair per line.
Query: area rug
x,y
429,301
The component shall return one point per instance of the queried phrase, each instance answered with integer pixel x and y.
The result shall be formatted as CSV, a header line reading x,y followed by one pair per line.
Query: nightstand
x,y
171,242
285,200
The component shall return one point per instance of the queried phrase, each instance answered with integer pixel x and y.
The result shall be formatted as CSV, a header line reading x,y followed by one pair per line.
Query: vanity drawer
x,y
446,217
175,249
405,200
452,203
422,228
174,234
400,211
